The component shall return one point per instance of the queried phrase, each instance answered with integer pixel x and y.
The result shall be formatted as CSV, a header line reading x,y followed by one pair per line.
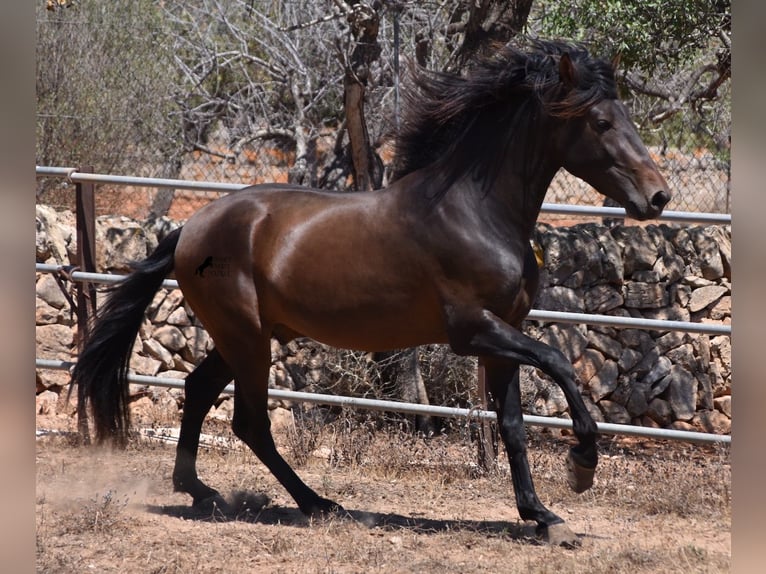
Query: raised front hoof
x,y
579,477
324,508
558,535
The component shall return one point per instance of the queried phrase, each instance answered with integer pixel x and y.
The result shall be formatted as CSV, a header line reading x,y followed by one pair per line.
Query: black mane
x,y
460,120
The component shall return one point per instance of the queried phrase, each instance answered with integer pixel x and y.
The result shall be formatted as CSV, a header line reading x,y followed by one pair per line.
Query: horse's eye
x,y
603,125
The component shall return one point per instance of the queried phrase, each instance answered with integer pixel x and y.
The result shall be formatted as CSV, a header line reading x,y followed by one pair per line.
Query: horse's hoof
x,y
560,535
325,508
579,477
213,505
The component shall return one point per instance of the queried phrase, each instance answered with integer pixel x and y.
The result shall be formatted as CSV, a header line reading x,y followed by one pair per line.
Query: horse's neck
x,y
514,201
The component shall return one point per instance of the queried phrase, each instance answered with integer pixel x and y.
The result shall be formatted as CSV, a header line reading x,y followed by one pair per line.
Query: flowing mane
x,y
508,89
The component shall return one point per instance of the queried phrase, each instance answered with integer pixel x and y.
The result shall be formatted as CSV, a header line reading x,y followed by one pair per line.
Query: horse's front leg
x,y
503,383
504,347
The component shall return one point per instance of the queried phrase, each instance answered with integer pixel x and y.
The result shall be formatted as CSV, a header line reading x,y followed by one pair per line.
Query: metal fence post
x,y
86,261
487,439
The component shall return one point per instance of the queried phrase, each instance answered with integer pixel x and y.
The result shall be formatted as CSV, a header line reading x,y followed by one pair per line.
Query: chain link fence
x,y
147,132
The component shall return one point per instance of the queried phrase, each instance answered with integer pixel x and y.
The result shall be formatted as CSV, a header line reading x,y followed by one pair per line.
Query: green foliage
x,y
648,34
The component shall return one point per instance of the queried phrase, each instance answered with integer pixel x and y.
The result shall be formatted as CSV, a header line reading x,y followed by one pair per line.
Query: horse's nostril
x,y
660,199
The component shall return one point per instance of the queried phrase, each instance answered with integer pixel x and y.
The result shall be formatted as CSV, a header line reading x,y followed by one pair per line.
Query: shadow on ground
x,y
245,506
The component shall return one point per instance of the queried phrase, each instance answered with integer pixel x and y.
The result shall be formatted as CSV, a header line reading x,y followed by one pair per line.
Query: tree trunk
x,y
364,22
488,22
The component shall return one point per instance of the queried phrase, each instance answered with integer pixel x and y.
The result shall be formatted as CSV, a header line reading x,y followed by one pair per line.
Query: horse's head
x,y
601,146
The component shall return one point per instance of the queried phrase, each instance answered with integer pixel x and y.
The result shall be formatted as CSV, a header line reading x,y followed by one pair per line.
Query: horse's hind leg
x,y
503,382
202,388
252,424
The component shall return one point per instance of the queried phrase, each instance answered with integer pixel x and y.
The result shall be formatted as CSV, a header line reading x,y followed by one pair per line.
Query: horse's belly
x,y
379,325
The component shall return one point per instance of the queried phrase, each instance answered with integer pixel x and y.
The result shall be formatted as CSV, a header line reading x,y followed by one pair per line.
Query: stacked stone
x,y
650,378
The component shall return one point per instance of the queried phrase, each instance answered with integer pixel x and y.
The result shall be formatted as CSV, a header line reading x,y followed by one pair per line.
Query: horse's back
x,y
340,268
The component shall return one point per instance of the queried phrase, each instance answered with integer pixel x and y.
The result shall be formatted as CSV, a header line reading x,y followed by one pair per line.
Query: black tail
x,y
101,370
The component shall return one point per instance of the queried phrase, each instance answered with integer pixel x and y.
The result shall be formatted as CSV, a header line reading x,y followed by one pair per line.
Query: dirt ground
x,y
416,505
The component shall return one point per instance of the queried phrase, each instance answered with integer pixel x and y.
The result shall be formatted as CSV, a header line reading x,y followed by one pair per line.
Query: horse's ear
x,y
616,61
567,71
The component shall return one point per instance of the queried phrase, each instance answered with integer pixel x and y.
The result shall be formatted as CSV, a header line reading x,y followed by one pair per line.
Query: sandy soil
x,y
416,506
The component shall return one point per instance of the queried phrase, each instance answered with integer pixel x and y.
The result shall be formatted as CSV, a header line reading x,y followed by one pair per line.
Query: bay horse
x,y
442,255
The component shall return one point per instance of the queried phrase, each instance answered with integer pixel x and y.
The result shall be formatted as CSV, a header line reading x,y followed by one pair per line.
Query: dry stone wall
x,y
650,378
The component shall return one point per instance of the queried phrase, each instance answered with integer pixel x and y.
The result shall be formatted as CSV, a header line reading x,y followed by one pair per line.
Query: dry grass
x,y
418,505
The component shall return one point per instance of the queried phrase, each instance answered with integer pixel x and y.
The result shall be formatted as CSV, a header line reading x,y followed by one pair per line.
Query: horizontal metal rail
x,y
534,314
416,409
73,175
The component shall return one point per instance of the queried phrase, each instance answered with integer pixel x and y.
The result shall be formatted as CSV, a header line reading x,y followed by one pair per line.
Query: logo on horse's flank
x,y
214,267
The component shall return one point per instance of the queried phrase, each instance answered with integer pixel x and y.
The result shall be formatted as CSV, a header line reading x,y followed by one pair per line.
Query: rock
x,y
658,388
669,268
669,341
569,339
602,298
660,412
635,339
705,296
628,359
721,309
198,343
169,304
154,349
145,365
179,364
682,393
645,276
550,401
119,242
712,422
612,268
647,363
590,362
704,391
638,295
720,347
46,403
604,382
684,356
179,318
170,337
721,236
47,315
570,255
225,410
723,405
637,403
645,377
614,412
708,253
721,385
683,426
560,298
54,341
606,345
670,313
680,294
638,252
55,235
648,422
658,371
49,291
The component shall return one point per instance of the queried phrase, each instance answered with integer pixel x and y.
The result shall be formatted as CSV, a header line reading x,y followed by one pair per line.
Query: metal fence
x,y
85,197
